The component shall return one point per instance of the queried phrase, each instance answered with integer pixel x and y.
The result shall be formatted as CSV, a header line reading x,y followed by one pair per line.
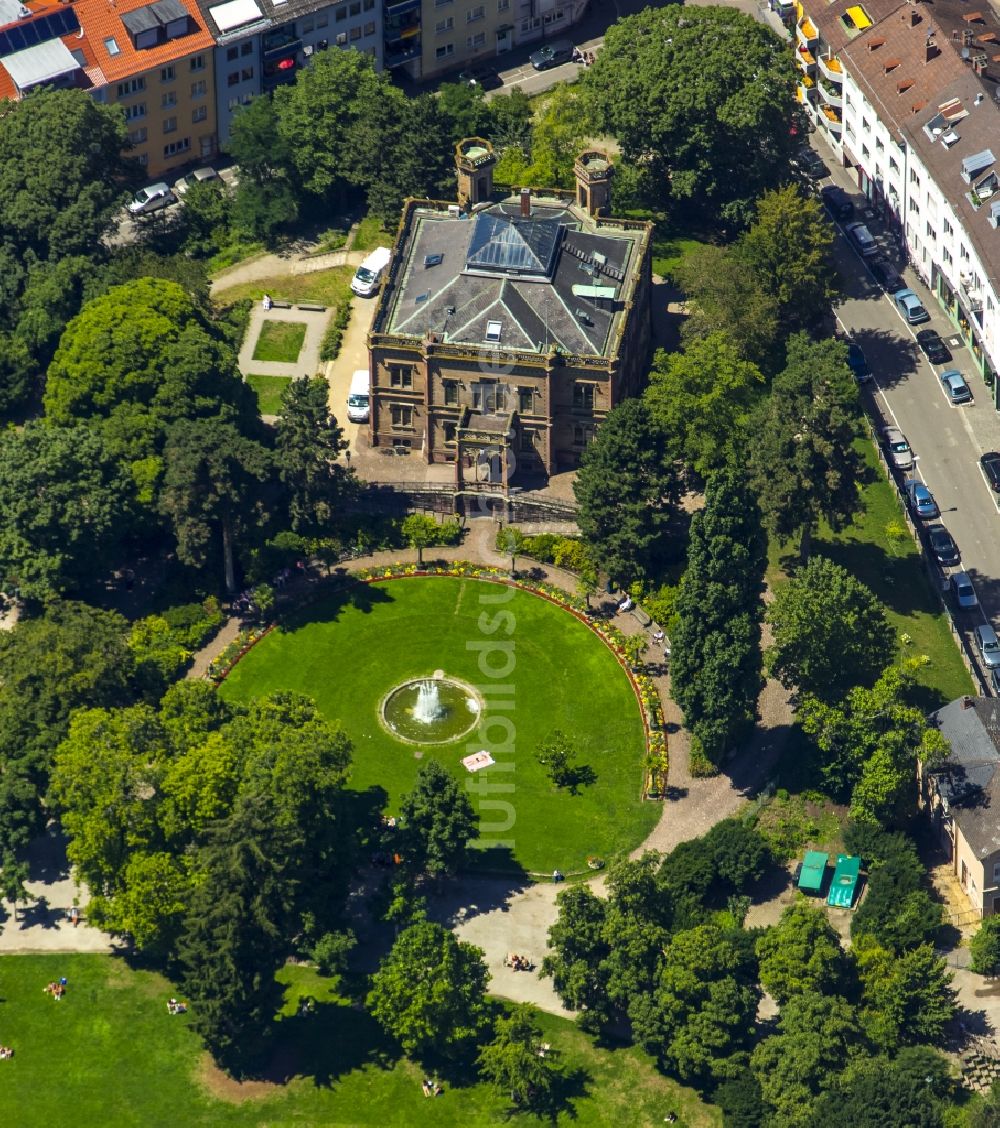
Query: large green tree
x,y
61,180
626,490
869,745
704,96
701,400
830,633
70,656
438,821
430,992
817,1035
715,646
65,504
803,461
234,936
789,248
577,948
210,486
800,953
910,1090
907,999
307,443
513,1063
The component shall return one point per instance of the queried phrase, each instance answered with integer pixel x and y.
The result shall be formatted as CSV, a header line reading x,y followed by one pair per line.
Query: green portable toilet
x,y
845,882
812,871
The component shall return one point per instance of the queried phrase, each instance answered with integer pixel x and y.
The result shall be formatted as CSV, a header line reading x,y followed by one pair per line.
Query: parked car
x,y
862,238
957,390
989,645
898,448
807,160
151,199
943,546
886,275
837,201
990,462
199,176
964,592
921,499
551,55
933,347
909,306
857,362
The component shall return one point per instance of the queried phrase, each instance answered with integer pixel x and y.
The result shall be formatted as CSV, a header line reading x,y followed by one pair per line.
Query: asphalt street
x,y
947,440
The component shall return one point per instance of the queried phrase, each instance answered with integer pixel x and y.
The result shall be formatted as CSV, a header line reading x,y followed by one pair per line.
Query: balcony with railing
x,y
831,69
832,95
831,119
805,32
806,90
805,59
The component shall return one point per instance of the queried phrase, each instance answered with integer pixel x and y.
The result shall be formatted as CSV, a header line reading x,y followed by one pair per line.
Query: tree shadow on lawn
x,y
472,895
900,582
343,592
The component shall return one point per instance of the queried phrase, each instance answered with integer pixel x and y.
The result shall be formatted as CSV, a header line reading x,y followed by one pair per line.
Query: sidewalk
x,y
308,362
270,266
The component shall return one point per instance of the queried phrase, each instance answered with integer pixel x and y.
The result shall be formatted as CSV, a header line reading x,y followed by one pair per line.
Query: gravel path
x,y
271,266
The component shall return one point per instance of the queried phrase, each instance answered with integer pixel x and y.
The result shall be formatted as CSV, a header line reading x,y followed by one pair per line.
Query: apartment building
x,y
262,44
508,328
922,131
432,37
153,59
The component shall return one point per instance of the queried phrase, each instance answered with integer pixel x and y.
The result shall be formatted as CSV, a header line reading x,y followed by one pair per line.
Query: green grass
x,y
280,341
350,652
371,234
269,391
109,1055
668,250
326,287
893,569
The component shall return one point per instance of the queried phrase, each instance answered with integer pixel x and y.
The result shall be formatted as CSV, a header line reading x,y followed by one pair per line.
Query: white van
x,y
369,274
358,397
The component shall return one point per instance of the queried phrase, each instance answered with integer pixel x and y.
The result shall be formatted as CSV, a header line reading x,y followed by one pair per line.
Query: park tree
x,y
985,947
513,1063
703,96
70,656
61,178
420,531
234,936
830,633
701,400
897,912
266,198
210,485
317,115
307,443
803,461
510,541
699,1018
104,777
511,118
906,999
739,853
577,949
559,759
910,1090
438,822
801,953
817,1036
868,745
715,645
430,992
559,128
789,249
66,504
725,297
626,490
465,110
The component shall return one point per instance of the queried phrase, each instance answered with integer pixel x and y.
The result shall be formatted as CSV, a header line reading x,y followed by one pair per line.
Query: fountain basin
x,y
434,710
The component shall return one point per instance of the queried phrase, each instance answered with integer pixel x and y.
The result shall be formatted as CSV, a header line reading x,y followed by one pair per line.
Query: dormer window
x,y
156,23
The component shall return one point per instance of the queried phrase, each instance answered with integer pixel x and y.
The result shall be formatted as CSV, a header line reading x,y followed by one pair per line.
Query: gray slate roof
x,y
496,266
969,781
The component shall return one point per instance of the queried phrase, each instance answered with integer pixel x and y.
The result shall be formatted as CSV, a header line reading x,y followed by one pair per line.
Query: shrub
x,y
739,852
329,349
985,947
164,644
332,951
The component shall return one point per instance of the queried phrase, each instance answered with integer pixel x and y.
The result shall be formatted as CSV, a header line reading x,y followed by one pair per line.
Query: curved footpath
x,y
500,915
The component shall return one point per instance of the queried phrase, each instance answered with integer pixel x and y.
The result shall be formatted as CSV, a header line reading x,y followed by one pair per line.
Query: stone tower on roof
x,y
474,164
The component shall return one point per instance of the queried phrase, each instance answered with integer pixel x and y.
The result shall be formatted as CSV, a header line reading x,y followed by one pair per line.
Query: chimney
x,y
931,50
525,203
915,17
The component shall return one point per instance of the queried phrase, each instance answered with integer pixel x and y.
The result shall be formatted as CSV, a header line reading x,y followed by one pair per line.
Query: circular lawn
x,y
536,668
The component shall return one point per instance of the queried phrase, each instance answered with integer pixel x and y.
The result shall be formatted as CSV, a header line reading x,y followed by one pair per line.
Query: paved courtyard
x,y
308,362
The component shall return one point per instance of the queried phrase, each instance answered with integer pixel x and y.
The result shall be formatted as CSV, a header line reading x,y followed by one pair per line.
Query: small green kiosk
x,y
845,882
813,871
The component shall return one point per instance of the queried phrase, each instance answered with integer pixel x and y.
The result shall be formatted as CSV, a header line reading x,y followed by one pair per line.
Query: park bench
x,y
312,307
640,616
278,303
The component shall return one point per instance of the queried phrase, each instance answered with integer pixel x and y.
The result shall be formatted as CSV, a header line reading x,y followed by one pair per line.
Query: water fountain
x,y
428,708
